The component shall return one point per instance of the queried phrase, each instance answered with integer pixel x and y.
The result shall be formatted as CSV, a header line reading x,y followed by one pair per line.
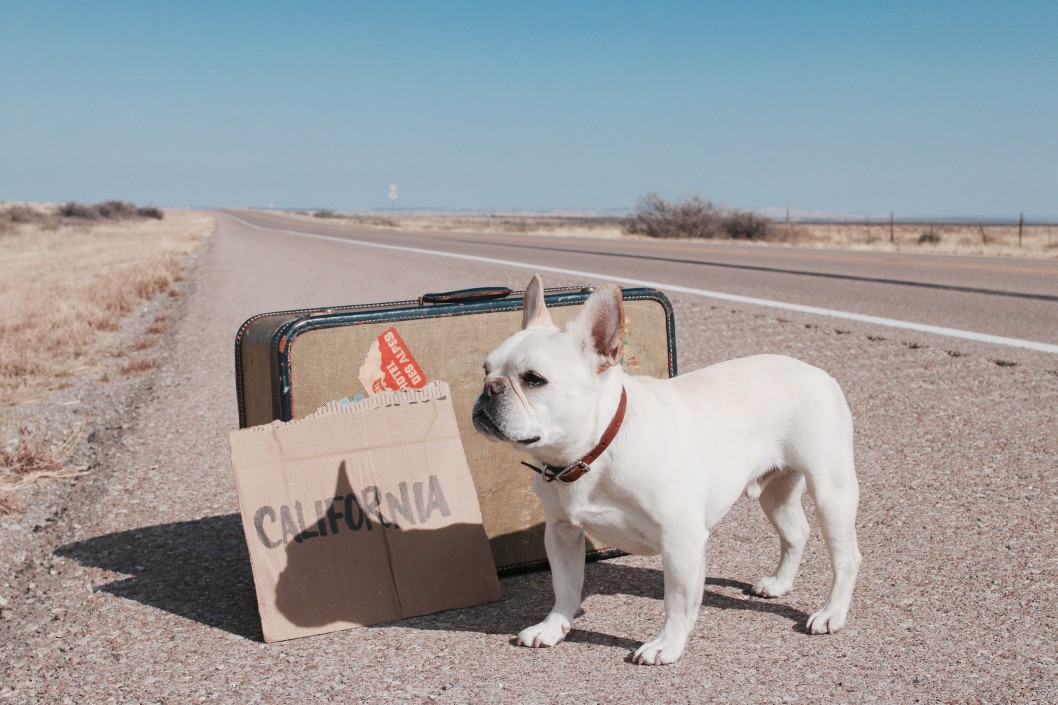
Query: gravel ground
x,y
132,585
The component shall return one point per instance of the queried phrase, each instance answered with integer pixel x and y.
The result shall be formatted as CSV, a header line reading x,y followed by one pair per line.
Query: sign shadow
x,y
196,569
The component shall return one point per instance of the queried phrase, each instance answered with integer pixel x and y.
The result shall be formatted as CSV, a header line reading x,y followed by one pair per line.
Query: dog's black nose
x,y
494,387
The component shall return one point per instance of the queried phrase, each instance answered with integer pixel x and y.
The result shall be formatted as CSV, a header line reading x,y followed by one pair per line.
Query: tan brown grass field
x,y
961,239
62,291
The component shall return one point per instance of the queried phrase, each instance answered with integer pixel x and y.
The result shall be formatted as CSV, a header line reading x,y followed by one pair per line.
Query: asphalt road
x,y
133,584
1007,297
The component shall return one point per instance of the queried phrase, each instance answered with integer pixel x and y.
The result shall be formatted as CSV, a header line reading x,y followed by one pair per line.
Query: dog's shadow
x,y
527,598
200,570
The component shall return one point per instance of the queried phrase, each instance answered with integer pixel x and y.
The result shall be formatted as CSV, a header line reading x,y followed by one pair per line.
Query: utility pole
x,y
1021,227
890,226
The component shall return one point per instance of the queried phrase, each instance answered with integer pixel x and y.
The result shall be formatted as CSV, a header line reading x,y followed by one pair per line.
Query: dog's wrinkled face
x,y
531,382
541,384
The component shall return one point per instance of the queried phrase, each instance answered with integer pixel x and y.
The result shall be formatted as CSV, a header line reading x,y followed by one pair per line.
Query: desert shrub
x,y
929,238
21,214
73,209
13,216
116,210
109,210
656,217
694,218
744,225
74,213
325,213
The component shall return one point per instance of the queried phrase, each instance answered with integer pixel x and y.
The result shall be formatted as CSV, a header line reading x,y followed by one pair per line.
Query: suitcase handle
x,y
481,293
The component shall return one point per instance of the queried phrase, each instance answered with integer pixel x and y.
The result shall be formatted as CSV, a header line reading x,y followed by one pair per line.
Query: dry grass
x,y
963,239
160,325
35,458
63,290
66,281
137,365
8,503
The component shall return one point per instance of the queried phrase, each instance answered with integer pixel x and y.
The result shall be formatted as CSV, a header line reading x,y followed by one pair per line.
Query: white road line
x,y
876,320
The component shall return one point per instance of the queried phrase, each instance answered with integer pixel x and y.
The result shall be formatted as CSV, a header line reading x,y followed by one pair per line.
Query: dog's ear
x,y
600,326
534,311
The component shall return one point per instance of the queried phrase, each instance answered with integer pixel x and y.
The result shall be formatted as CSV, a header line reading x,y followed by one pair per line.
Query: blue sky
x,y
922,108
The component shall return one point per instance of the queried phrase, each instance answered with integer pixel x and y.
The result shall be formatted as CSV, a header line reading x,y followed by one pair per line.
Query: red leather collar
x,y
575,470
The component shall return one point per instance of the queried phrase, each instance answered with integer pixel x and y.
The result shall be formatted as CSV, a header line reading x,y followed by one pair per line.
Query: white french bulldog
x,y
657,463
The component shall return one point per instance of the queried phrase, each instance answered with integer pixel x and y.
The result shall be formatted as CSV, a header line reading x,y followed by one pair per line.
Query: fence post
x,y
890,226
1021,227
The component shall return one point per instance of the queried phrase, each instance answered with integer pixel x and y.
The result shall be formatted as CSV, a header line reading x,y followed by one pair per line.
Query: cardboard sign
x,y
361,513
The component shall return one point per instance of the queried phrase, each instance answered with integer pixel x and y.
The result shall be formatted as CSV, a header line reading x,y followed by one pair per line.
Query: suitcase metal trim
x,y
303,320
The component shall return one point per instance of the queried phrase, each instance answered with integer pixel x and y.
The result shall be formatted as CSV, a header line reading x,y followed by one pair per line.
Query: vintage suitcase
x,y
290,363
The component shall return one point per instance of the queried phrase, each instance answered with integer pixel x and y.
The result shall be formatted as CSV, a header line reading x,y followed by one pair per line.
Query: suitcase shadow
x,y
200,570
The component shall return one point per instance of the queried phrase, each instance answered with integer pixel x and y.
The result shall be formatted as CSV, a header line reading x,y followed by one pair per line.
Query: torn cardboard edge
x,y
431,391
436,390
361,513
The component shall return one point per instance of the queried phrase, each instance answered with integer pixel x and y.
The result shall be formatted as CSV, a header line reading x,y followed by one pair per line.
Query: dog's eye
x,y
532,380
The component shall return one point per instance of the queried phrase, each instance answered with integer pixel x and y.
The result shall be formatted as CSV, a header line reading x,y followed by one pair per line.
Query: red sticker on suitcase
x,y
390,365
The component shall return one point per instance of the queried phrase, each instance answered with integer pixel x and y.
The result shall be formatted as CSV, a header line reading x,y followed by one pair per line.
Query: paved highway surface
x,y
1006,297
133,585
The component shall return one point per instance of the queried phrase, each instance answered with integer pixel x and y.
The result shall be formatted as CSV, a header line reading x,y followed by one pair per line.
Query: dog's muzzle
x,y
488,407
484,423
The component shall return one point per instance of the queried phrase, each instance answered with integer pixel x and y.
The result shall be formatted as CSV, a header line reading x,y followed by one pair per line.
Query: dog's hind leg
x,y
780,499
836,494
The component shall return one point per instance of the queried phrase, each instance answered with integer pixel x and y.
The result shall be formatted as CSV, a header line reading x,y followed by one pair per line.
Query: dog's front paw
x,y
771,586
659,652
826,621
548,633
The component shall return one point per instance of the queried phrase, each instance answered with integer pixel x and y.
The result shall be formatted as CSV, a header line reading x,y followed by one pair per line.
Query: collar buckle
x,y
568,474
